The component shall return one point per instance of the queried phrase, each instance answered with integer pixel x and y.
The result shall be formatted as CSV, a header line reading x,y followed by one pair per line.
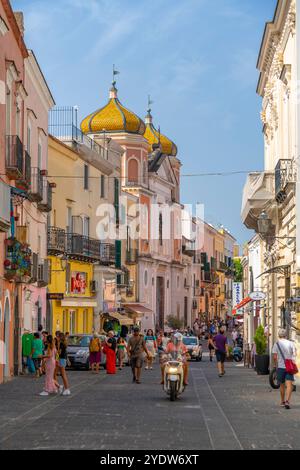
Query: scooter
x,y
173,378
238,354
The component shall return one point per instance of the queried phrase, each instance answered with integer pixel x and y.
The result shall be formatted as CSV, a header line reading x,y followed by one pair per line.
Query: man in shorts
x,y
221,348
136,348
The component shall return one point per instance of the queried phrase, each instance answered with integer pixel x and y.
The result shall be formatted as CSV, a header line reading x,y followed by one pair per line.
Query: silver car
x,y
79,351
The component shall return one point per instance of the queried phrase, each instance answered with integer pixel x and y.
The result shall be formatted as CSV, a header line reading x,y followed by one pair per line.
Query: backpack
x,y
94,345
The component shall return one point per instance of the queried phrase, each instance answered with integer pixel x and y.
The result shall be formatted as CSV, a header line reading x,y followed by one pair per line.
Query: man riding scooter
x,y
175,348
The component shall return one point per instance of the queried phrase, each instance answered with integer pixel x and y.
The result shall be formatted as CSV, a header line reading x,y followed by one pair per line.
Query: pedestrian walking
x,y
234,336
221,348
109,349
284,353
95,353
151,345
211,346
37,354
62,364
121,348
51,385
136,349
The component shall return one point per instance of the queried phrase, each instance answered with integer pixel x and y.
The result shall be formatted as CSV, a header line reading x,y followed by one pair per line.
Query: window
x,y
18,120
160,229
86,177
102,186
116,200
72,322
69,220
8,111
146,278
85,321
86,226
40,155
29,138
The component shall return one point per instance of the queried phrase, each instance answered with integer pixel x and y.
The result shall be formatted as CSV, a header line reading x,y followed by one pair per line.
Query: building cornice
x,y
14,27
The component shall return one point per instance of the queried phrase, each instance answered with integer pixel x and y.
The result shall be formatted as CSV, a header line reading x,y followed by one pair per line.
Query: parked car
x,y
79,352
194,347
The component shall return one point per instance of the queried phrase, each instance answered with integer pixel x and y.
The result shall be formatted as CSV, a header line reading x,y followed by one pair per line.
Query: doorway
x,y
17,337
6,338
185,312
160,302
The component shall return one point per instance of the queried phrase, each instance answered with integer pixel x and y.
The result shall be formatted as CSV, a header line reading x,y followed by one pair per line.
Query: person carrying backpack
x,y
95,353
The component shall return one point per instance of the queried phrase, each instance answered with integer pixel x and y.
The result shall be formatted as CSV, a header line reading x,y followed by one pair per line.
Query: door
x,y
160,302
6,338
17,337
185,311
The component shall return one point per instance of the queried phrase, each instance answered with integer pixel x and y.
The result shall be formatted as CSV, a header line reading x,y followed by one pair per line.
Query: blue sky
x,y
197,60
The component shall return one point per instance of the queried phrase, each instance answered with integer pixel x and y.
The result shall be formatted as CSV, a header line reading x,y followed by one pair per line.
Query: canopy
x,y
138,309
121,318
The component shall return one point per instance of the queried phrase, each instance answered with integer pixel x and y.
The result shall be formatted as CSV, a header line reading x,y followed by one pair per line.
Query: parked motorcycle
x,y
238,354
173,377
273,379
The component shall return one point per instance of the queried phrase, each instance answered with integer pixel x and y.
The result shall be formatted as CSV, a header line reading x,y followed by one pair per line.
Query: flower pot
x,y
262,364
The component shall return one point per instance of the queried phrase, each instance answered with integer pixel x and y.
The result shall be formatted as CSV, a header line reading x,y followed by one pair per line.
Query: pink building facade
x,y
24,98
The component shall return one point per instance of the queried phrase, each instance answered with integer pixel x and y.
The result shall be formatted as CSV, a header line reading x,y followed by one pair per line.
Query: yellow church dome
x,y
113,117
155,137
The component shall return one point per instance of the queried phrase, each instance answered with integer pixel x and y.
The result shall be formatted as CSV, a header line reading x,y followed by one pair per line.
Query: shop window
x,y
65,321
72,322
85,321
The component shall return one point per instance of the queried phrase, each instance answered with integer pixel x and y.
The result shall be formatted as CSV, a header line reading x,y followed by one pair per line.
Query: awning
x,y
78,303
123,320
138,309
284,269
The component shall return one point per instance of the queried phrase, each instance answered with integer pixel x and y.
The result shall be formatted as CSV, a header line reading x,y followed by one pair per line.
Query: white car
x,y
194,347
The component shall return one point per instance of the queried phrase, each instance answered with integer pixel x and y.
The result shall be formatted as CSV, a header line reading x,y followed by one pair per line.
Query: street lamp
x,y
264,224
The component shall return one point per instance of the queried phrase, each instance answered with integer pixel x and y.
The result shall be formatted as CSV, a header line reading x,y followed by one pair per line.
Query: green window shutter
x,y
118,254
116,197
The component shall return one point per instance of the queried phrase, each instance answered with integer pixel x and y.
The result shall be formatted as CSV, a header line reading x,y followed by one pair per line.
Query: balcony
x,y
83,248
36,187
45,205
107,254
56,241
258,191
188,247
5,194
285,174
14,157
132,256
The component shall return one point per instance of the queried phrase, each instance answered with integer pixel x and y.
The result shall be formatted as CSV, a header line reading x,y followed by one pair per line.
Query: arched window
x,y
133,171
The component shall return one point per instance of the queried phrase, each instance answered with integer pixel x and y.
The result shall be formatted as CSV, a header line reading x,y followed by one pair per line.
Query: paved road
x,y
238,411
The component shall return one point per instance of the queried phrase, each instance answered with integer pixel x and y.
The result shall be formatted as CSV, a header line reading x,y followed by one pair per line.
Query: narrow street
x,y
238,411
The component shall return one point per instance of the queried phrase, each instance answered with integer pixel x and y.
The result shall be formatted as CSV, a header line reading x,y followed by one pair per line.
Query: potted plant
x,y
262,359
230,354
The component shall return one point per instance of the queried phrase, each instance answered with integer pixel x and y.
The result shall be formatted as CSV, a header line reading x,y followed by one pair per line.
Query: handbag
x,y
290,365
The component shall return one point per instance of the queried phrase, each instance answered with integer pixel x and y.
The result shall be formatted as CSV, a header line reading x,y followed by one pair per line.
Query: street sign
x,y
55,296
257,296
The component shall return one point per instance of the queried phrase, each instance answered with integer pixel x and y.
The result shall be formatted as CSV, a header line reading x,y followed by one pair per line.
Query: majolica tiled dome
x,y
154,137
113,117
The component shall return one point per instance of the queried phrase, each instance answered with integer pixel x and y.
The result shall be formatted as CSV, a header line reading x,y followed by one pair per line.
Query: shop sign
x,y
257,296
55,296
78,282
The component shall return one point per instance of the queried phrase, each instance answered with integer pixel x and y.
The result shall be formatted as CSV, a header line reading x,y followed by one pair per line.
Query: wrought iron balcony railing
x,y
107,253
285,173
36,187
14,157
56,241
82,247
